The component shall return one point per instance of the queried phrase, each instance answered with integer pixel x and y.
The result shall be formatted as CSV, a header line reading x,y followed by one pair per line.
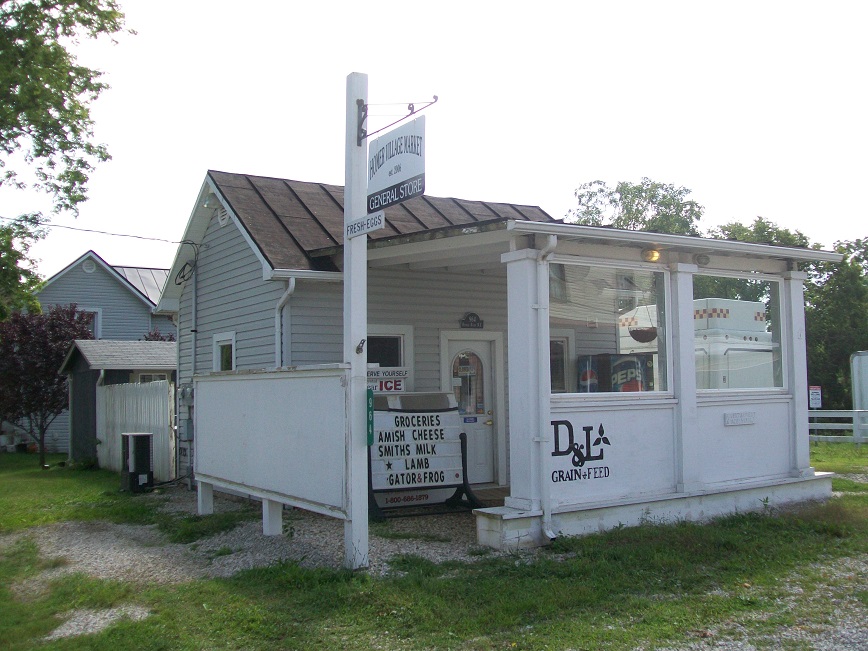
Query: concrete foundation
x,y
510,529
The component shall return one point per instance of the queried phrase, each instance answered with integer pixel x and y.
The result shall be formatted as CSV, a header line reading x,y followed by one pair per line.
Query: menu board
x,y
415,449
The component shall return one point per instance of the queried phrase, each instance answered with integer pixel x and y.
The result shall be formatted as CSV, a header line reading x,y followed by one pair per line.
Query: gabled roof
x,y
298,226
290,220
102,354
144,283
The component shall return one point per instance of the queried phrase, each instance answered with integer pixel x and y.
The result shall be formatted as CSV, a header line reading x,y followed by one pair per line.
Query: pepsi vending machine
x,y
609,372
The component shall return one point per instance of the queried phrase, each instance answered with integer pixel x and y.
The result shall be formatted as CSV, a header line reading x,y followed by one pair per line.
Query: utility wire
x,y
90,230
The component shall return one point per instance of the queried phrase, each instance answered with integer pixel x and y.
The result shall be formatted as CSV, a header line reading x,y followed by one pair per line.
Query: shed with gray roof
x,y
93,363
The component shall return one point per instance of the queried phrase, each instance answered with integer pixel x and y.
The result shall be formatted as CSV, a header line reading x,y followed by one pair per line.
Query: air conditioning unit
x,y
137,461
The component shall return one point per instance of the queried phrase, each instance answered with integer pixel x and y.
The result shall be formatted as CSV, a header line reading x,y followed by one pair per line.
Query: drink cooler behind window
x,y
613,373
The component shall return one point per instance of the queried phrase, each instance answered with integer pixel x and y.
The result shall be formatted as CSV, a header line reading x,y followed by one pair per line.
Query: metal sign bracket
x,y
362,133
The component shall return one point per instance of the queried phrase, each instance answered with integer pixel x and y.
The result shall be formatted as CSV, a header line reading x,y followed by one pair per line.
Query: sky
x,y
759,108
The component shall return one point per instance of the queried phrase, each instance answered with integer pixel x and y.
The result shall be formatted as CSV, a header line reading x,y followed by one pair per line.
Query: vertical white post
x,y
524,391
272,518
355,331
793,316
688,438
205,498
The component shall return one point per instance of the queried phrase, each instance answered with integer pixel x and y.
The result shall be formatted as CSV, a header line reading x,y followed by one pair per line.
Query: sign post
x,y
355,329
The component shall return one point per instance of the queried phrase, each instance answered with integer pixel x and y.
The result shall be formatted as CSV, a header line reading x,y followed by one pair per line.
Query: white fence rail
x,y
145,407
855,421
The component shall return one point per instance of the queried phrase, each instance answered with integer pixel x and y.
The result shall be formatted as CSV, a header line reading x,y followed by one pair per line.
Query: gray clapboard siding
x,y
426,301
231,297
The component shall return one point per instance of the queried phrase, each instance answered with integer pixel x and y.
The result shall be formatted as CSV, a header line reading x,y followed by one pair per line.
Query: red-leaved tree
x,y
32,348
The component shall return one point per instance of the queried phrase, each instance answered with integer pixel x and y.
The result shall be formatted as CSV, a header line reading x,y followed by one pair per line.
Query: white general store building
x,y
602,376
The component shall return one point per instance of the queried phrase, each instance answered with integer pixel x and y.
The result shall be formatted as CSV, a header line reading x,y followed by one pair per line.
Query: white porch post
x,y
204,498
523,352
688,443
793,313
355,332
272,518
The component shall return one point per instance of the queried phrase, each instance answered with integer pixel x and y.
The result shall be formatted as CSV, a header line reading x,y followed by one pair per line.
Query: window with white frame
x,y
224,351
737,332
608,328
391,346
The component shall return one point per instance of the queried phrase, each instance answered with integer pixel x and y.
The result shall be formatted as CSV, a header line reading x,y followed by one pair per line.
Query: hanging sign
x,y
815,398
396,165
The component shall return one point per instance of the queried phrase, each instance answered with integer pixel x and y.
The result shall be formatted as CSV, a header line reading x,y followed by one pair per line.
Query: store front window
x,y
737,332
608,328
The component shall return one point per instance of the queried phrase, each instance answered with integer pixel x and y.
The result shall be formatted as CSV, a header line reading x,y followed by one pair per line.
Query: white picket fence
x,y
855,421
147,407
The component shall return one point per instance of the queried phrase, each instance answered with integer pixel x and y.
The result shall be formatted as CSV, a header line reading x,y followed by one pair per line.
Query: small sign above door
x,y
471,321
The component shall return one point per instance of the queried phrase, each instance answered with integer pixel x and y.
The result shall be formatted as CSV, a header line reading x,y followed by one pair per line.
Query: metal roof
x,y
289,220
105,354
148,281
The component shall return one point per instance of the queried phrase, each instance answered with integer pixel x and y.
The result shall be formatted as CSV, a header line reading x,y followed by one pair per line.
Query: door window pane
x,y
467,383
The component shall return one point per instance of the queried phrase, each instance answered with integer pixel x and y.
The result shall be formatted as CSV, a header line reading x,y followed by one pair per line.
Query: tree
x,y
835,314
156,335
644,206
32,349
45,95
18,279
760,231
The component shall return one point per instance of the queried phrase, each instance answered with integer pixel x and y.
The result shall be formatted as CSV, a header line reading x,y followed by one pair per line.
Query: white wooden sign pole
x,y
355,330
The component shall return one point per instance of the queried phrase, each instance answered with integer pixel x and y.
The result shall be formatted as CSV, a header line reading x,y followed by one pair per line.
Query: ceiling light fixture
x,y
650,255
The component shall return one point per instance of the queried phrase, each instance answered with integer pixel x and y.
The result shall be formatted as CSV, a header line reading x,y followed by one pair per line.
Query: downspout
x,y
278,321
193,324
544,381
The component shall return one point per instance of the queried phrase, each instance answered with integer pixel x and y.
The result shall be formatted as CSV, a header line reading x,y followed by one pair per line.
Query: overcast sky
x,y
758,107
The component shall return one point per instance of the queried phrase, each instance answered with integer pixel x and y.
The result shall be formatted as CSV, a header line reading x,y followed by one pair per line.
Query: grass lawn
x,y
647,586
